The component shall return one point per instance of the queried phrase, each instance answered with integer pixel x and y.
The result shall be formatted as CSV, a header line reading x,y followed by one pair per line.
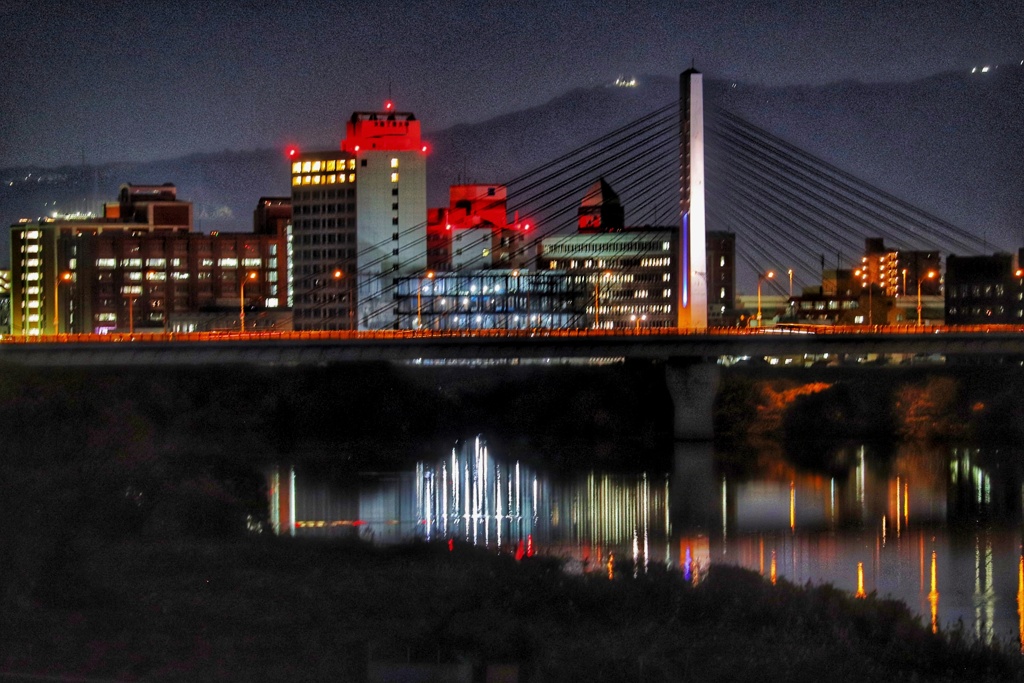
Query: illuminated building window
x,y
332,179
316,167
251,263
351,177
156,263
31,276
307,166
296,180
306,180
134,275
34,318
394,177
394,162
297,167
228,263
32,235
351,164
32,291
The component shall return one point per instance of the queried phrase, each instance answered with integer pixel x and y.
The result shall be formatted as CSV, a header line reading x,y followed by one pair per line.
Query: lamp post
x,y
249,277
761,278
930,276
903,292
637,319
597,297
419,300
871,306
790,271
64,277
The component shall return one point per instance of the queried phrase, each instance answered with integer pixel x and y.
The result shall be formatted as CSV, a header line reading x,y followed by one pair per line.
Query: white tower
x,y
692,293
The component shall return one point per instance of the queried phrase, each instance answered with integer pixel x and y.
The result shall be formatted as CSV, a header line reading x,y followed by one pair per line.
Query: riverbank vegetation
x,y
276,609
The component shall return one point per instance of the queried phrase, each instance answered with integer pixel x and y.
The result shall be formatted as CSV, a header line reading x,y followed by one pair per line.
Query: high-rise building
x,y
361,212
721,264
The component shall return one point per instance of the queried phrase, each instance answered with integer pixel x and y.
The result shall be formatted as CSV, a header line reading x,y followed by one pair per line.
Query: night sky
x,y
135,81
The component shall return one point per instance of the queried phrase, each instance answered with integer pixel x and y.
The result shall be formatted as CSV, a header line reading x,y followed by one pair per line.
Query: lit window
x,y
351,177
721,262
32,235
351,164
251,263
307,166
297,167
332,179
296,180
305,180
228,263
394,162
155,263
394,177
134,275
316,167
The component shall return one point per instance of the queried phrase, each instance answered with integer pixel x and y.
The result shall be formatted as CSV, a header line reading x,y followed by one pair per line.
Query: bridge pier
x,y
693,384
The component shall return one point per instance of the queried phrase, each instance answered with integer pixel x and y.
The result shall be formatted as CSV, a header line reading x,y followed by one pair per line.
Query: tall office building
x,y
359,223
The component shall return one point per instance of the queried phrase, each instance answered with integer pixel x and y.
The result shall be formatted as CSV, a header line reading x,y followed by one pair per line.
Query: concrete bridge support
x,y
693,384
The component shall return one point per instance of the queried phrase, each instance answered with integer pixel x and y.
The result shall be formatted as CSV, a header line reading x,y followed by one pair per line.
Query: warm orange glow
x,y
860,582
430,275
906,503
933,598
773,575
611,565
66,276
1020,601
770,274
761,547
792,506
931,274
251,275
338,274
898,510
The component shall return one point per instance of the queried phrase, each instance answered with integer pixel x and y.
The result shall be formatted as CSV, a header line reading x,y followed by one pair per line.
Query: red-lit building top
x,y
474,231
386,131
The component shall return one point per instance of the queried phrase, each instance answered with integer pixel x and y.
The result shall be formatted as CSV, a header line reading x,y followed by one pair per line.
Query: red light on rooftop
x,y
526,226
424,149
291,151
389,105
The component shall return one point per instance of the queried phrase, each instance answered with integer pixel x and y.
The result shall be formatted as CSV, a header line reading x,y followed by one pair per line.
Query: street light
x,y
637,320
761,278
790,271
903,292
249,277
930,276
419,300
64,277
597,297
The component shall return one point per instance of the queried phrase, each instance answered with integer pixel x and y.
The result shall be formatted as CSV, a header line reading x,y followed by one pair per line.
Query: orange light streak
x,y
860,582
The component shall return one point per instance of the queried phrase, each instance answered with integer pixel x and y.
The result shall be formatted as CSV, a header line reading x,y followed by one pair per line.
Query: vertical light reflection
x,y
984,593
906,504
860,581
933,597
773,574
792,506
832,500
898,503
291,502
725,516
760,544
1020,600
883,530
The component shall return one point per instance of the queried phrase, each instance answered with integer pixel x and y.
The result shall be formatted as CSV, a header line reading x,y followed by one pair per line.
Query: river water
x,y
938,528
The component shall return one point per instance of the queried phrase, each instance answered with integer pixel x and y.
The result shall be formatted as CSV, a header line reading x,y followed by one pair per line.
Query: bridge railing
x,y
409,335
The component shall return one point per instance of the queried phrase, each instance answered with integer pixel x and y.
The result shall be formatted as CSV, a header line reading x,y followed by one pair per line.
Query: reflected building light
x,y
860,582
725,516
760,548
883,530
774,574
984,593
792,506
860,479
933,597
611,565
832,500
1020,601
898,502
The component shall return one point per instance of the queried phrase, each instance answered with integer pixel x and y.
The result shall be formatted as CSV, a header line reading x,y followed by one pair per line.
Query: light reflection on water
x,y
939,529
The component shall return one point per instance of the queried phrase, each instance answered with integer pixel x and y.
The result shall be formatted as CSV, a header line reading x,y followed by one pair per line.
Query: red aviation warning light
x,y
389,105
291,151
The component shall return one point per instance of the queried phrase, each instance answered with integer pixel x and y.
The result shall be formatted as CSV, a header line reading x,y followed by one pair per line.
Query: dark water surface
x,y
936,527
